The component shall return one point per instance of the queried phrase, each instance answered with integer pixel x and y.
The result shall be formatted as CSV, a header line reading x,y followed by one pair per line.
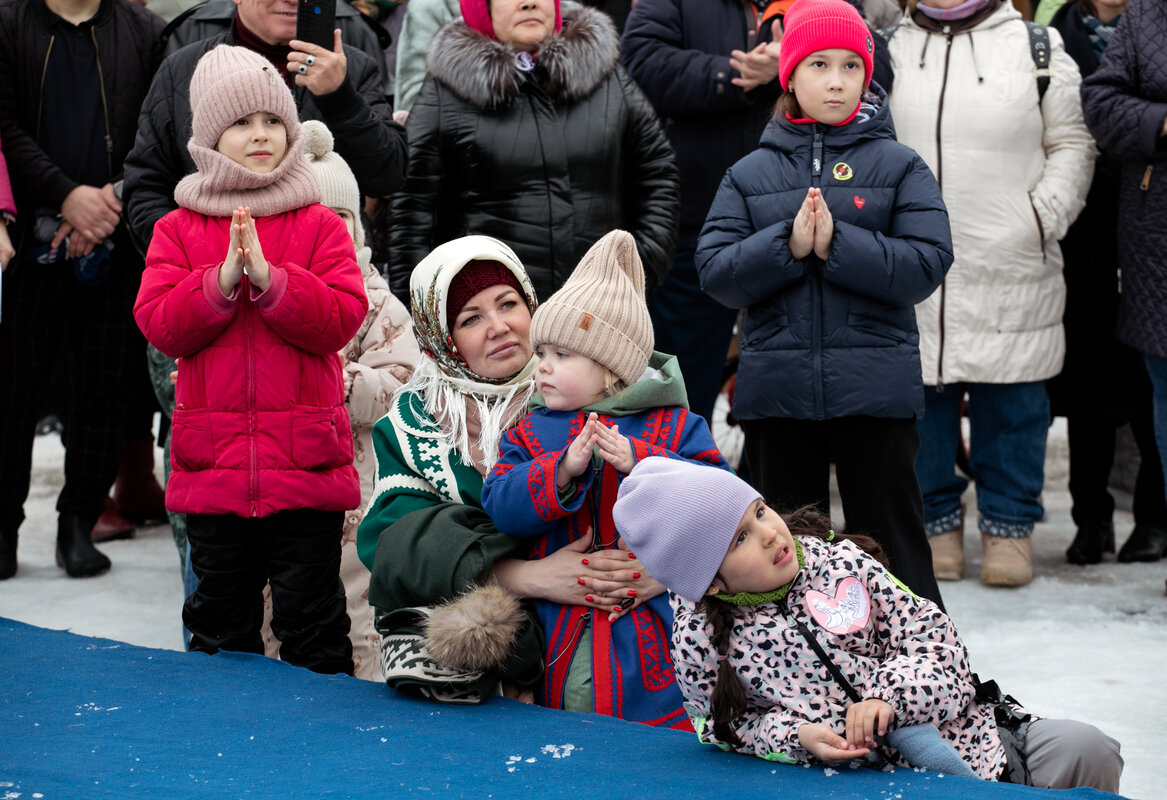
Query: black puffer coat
x,y
548,161
1125,103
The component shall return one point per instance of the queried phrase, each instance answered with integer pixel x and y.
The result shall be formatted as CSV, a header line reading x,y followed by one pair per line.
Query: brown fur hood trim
x,y
482,71
474,631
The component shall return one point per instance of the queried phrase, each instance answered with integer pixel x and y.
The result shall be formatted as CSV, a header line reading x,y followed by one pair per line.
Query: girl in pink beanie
x,y
254,287
827,236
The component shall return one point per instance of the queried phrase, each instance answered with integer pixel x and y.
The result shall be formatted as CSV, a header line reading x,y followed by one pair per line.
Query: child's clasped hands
x,y
244,255
813,226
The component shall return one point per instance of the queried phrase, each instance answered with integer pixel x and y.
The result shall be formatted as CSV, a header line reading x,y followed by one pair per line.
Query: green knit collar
x,y
772,596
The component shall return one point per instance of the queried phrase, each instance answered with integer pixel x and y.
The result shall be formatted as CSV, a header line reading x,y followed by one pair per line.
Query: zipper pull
x,y
817,152
1146,182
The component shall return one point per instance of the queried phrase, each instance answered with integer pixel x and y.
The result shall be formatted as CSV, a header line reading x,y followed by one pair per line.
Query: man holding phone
x,y
340,86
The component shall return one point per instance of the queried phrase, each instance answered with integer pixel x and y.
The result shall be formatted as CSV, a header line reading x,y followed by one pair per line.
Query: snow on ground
x,y
1086,643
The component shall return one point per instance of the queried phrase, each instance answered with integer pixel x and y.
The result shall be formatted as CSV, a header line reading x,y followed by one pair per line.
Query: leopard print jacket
x,y
889,643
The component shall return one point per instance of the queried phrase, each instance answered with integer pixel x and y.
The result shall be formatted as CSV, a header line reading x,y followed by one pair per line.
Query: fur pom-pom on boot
x,y
476,630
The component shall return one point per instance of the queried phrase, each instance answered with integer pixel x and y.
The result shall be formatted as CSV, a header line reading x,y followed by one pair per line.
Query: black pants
x,y
299,553
875,464
1092,456
48,315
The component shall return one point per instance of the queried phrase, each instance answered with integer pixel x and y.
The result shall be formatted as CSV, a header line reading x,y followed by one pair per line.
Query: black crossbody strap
x,y
836,673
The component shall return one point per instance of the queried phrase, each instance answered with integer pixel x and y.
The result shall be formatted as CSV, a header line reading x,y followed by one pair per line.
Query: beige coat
x,y
1014,176
379,359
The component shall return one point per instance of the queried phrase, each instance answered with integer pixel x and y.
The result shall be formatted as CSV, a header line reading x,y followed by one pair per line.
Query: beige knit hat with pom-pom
x,y
338,185
600,312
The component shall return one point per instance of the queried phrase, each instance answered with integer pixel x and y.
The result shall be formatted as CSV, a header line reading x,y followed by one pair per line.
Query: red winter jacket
x,y
259,424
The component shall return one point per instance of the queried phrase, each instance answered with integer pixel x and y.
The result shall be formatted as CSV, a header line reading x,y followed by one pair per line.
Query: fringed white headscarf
x,y
457,398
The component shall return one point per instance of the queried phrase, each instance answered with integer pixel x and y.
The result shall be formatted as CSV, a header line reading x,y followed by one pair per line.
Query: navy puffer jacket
x,y
1125,104
838,338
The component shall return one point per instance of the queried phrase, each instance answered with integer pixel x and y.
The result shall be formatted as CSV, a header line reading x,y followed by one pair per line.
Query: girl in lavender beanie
x,y
254,287
795,644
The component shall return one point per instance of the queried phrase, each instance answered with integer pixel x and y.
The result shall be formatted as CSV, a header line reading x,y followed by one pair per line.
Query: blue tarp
x,y
82,717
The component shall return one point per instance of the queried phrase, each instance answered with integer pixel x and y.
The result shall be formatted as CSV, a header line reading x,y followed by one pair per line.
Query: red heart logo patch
x,y
859,202
848,611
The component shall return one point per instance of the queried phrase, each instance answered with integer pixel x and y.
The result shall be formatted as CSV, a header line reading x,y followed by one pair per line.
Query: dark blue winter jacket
x,y
838,338
677,51
1125,104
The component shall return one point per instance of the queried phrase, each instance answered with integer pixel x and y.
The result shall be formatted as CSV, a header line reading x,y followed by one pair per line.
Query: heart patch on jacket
x,y
848,611
859,202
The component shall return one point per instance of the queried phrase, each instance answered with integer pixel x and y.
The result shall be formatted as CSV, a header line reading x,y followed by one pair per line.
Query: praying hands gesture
x,y
244,255
813,227
614,448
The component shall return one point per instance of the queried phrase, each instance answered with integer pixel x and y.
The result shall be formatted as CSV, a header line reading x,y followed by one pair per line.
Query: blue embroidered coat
x,y
632,668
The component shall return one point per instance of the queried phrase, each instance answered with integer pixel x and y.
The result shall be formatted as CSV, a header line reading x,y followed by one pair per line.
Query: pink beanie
x,y
476,13
813,25
231,82
679,518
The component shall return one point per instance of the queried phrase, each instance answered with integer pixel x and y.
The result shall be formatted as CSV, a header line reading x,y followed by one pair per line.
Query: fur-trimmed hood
x,y
482,71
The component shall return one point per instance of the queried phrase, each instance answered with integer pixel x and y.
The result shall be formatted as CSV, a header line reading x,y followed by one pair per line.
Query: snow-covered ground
x,y
1085,643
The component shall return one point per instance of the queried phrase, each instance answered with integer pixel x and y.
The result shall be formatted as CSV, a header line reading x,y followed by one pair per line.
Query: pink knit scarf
x,y
221,185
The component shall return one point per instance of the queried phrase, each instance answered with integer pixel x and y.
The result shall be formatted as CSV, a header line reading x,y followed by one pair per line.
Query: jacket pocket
x,y
192,447
877,327
760,327
1040,227
315,443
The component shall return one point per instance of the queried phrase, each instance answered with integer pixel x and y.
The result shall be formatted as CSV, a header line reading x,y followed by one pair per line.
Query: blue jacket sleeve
x,y
905,265
520,493
738,266
696,444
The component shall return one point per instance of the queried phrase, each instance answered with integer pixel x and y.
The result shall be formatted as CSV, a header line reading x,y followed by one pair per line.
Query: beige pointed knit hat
x,y
600,312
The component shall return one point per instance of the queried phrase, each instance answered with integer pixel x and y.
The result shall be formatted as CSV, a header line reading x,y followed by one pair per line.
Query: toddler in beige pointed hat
x,y
605,401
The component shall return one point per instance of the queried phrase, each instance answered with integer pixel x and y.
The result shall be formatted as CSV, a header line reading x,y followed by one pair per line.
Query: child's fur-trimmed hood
x,y
482,71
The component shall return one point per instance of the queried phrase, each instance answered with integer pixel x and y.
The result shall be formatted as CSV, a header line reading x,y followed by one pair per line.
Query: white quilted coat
x,y
1014,176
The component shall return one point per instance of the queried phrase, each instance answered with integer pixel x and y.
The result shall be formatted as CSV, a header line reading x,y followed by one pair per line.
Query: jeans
x,y
1008,424
695,328
1157,369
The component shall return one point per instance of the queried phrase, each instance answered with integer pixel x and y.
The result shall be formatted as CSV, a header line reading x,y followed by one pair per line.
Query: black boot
x,y
1146,543
1093,539
7,554
75,550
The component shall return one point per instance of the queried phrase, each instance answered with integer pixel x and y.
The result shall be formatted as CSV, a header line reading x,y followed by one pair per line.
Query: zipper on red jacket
x,y
253,455
940,183
816,284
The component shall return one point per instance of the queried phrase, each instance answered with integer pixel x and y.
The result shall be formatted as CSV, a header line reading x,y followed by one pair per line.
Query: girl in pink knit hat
x,y
254,287
827,236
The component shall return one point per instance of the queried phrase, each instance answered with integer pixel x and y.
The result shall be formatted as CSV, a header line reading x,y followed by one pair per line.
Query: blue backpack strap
x,y
1039,51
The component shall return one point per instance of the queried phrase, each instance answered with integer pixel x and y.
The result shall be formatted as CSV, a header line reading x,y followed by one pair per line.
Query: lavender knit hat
x,y
679,518
600,312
